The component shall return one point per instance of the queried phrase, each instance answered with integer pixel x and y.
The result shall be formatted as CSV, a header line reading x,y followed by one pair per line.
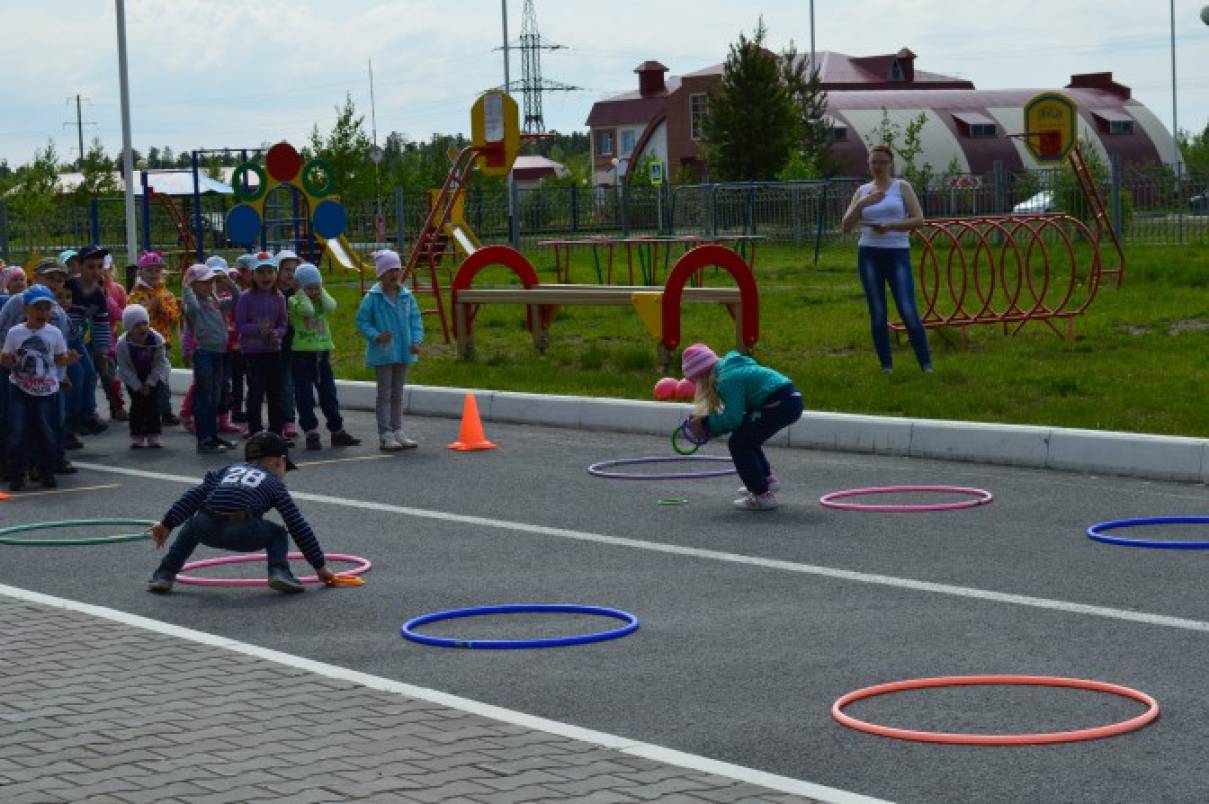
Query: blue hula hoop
x,y
408,629
1096,532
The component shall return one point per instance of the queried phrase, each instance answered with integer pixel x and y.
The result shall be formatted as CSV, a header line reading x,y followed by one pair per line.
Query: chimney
x,y
1101,81
906,63
650,79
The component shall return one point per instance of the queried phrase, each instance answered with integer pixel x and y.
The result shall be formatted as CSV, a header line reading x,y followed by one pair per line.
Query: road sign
x,y
656,170
495,125
1051,123
376,154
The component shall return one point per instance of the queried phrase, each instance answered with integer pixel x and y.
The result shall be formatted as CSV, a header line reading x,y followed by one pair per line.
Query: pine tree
x,y
751,126
810,102
346,149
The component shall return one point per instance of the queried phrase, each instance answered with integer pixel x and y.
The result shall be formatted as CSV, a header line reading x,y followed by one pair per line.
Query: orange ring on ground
x,y
963,738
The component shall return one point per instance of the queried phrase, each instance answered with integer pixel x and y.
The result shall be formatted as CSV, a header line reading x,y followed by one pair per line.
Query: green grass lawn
x,y
1139,360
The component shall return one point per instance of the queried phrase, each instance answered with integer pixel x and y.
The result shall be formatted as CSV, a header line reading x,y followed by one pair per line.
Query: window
x,y
982,130
896,71
605,143
699,106
627,142
837,133
1120,127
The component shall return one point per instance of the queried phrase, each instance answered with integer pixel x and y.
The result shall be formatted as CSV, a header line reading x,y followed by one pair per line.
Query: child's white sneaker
x,y
403,441
387,443
757,502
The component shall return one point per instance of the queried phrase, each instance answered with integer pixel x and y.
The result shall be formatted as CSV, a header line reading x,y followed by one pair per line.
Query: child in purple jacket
x,y
260,320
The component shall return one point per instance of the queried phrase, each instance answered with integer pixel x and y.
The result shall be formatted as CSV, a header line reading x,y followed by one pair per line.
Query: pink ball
x,y
665,389
686,389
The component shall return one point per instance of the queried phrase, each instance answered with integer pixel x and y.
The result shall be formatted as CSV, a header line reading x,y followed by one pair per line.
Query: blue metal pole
x,y
198,233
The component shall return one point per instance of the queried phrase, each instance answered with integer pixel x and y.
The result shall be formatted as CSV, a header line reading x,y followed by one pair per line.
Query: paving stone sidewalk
x,y
98,711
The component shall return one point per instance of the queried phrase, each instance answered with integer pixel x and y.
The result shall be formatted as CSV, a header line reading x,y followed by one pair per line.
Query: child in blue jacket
x,y
737,395
390,321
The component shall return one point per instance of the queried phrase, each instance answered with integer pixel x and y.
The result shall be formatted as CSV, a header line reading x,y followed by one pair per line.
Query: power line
x,y
79,124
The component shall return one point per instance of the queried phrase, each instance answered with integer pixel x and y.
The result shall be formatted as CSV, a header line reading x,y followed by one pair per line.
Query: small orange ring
x,y
962,738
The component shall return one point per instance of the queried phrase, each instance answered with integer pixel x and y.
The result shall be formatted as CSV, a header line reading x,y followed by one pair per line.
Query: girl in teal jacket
x,y
737,395
390,321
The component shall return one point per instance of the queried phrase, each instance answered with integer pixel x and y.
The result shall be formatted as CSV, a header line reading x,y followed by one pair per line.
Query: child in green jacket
x,y
311,359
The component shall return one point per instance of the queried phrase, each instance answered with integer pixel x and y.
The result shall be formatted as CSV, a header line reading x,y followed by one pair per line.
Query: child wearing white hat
x,y
143,366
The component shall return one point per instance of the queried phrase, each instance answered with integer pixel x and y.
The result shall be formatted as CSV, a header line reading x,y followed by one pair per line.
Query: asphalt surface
x,y
735,661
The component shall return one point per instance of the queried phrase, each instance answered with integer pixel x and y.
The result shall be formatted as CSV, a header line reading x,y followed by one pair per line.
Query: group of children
x,y
263,323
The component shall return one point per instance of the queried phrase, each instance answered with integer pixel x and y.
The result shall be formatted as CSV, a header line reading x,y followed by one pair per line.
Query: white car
x,y
1041,202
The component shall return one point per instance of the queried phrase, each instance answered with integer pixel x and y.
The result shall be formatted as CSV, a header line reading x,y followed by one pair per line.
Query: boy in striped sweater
x,y
227,512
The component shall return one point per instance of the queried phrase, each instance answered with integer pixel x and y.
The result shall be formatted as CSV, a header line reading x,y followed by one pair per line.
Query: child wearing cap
x,y
115,297
737,395
165,312
260,318
311,361
143,366
287,264
390,321
227,512
89,313
33,352
13,282
228,288
206,315
245,265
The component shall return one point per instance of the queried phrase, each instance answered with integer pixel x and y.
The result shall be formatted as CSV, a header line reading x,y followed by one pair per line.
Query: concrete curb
x,y
1153,457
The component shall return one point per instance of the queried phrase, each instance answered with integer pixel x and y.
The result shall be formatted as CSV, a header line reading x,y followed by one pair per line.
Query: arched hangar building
x,y
966,127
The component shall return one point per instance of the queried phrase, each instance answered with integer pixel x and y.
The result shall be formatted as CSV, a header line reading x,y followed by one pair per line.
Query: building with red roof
x,y
966,127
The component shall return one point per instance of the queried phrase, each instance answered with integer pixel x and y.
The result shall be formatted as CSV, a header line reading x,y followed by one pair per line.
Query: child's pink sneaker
x,y
290,430
225,426
153,442
187,423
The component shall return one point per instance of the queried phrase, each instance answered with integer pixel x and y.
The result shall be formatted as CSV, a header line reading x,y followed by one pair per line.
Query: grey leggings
x,y
390,397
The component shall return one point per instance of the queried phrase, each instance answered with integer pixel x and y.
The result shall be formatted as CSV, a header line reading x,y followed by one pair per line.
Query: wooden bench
x,y
540,297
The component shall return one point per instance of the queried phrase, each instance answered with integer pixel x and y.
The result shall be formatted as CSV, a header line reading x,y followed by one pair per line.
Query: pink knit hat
x,y
698,359
151,258
386,260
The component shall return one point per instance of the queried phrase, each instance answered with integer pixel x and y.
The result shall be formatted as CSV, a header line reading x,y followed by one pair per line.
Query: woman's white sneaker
x,y
403,441
757,502
387,443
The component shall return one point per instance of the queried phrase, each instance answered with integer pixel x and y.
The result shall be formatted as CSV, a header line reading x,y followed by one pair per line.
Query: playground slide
x,y
342,253
463,238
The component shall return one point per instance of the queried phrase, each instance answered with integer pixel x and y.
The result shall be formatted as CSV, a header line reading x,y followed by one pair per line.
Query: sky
x,y
239,73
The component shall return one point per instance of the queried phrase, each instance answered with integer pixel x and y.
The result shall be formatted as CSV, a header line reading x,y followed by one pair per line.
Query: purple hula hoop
x,y
363,565
600,469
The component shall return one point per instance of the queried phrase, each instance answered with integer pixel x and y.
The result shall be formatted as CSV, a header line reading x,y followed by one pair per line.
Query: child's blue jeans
x,y
31,434
782,408
207,393
241,537
879,267
82,398
313,370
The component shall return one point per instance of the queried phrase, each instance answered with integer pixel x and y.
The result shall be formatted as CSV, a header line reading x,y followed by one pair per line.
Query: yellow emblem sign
x,y
1052,123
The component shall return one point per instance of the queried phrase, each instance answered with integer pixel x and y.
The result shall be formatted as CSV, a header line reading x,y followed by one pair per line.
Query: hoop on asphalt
x,y
602,469
5,538
981,497
362,566
1097,532
408,629
964,738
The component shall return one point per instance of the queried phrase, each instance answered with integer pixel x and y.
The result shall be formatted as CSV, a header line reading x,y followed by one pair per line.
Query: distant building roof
x,y
166,182
534,168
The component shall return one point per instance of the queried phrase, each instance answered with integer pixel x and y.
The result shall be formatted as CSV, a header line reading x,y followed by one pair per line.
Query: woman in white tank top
x,y
887,210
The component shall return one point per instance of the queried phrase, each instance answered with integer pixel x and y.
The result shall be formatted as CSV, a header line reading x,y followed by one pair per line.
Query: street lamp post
x,y
127,153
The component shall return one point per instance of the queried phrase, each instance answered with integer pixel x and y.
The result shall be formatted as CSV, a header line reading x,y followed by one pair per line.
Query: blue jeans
x,y
207,393
877,267
82,398
289,406
782,408
241,537
313,370
31,433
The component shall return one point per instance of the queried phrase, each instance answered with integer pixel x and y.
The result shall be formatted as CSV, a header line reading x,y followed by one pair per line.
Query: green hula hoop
x,y
237,182
329,185
65,523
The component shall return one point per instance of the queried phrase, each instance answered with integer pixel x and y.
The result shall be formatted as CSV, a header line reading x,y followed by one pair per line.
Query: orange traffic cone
x,y
471,436
3,496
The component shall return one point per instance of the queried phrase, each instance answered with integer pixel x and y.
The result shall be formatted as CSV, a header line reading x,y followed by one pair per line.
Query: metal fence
x,y
1145,206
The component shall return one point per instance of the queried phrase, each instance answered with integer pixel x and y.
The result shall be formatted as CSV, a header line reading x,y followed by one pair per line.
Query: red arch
x,y
486,257
707,257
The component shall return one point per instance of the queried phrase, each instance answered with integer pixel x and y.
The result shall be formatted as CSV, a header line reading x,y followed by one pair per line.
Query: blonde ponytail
x,y
706,400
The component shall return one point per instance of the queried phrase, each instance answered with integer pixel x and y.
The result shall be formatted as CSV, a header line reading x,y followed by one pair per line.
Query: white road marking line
x,y
969,592
301,464
624,745
20,495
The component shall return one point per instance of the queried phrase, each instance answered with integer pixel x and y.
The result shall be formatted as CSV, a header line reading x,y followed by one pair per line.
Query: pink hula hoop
x,y
981,497
362,566
965,738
